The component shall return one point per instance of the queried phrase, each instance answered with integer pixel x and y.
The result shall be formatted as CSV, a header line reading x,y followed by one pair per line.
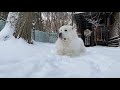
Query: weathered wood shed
x,y
105,31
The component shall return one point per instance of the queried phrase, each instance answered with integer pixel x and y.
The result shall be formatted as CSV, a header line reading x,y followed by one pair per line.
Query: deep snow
x,y
21,60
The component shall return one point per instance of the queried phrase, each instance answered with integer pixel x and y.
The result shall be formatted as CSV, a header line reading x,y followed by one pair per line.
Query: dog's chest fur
x,y
67,47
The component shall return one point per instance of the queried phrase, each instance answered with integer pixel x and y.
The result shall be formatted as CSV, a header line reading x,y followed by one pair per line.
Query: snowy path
x,y
18,59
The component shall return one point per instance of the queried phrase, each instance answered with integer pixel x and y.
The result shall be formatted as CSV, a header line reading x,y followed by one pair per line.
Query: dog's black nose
x,y
60,35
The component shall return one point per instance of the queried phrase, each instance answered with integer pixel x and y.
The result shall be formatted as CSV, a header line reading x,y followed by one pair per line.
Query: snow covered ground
x,y
21,60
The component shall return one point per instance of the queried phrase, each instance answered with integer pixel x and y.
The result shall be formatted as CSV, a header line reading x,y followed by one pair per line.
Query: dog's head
x,y
67,32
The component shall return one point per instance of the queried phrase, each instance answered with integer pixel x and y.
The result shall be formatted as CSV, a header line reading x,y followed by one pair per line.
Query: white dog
x,y
68,42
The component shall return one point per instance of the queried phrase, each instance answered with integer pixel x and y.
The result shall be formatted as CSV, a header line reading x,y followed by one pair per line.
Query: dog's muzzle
x,y
60,35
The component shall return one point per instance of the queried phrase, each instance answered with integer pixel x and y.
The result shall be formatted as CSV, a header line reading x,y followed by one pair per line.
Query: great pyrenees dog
x,y
68,42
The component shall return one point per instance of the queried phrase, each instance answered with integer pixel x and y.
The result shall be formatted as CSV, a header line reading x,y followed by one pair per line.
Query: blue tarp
x,y
41,36
52,37
2,24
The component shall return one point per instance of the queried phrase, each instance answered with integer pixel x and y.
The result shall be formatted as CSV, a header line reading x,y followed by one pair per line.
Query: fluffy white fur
x,y
69,43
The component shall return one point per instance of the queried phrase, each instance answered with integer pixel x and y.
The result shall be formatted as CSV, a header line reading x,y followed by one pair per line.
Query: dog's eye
x,y
65,30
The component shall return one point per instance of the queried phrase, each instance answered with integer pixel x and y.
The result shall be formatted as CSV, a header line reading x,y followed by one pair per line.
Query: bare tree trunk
x,y
72,18
24,26
38,21
119,27
3,15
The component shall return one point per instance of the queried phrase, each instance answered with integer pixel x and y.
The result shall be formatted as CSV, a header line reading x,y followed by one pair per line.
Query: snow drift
x,y
19,59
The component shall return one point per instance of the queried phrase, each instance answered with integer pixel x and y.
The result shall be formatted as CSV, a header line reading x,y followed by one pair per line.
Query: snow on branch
x,y
9,28
94,20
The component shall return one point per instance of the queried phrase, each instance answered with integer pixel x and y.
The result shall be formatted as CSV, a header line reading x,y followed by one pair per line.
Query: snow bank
x,y
19,59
